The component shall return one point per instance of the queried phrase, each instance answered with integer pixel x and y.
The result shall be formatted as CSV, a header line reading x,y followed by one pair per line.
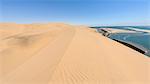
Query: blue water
x,y
140,39
142,27
143,40
125,27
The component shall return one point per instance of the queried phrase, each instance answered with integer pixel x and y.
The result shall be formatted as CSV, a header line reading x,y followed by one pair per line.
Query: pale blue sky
x,y
89,12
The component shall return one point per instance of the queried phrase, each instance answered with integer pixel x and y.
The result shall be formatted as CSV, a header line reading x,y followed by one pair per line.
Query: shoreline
x,y
110,31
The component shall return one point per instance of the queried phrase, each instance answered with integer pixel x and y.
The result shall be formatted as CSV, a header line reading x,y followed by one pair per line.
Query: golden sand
x,y
58,53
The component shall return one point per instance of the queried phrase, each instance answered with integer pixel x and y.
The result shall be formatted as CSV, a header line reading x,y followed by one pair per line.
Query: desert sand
x,y
58,53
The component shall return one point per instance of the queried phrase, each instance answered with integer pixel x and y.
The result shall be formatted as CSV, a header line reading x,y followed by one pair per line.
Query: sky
x,y
81,12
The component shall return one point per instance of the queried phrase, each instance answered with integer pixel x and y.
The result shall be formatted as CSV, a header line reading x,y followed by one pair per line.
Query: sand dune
x,y
58,53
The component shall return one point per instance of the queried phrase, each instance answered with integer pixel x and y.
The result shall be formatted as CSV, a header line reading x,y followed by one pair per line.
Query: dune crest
x,y
58,53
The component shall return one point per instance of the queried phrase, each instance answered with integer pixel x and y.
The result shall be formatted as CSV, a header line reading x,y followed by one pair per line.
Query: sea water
x,y
139,39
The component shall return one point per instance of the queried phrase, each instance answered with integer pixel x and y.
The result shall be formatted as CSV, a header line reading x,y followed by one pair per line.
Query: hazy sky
x,y
89,12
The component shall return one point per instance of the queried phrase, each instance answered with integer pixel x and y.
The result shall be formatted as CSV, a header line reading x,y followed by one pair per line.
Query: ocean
x,y
140,39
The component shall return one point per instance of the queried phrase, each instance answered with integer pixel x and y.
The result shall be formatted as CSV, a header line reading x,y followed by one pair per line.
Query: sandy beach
x,y
133,30
58,53
113,30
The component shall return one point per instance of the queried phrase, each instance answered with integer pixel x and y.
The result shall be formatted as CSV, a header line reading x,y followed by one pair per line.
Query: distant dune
x,y
58,53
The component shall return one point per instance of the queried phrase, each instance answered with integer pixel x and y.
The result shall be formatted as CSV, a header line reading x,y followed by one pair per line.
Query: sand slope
x,y
65,54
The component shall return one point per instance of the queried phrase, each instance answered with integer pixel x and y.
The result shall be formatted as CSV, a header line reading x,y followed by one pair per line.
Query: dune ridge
x,y
58,53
